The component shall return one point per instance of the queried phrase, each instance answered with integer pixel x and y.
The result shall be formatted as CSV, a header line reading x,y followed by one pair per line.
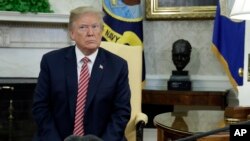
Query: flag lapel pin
x,y
101,66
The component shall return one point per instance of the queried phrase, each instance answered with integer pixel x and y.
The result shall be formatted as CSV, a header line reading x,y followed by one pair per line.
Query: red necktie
x,y
81,98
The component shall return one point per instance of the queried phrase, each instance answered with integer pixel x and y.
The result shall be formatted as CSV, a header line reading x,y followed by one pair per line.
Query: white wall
x,y
64,6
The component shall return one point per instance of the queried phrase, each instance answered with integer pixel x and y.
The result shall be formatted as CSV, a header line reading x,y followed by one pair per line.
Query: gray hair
x,y
77,12
82,138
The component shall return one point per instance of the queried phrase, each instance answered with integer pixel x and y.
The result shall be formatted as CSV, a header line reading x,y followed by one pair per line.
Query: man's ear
x,y
71,35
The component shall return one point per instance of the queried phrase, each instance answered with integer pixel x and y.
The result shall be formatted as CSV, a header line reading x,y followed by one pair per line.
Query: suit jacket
x,y
108,98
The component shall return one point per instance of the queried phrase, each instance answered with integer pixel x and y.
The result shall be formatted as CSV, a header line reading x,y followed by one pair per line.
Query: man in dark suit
x,y
107,107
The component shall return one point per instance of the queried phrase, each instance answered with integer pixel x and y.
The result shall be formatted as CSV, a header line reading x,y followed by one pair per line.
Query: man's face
x,y
180,57
87,33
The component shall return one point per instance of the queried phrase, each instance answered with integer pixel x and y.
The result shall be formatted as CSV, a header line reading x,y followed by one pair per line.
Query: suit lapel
x,y
71,79
96,76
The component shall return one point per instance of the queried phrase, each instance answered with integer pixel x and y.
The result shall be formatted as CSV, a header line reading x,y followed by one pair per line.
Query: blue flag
x,y
228,45
123,23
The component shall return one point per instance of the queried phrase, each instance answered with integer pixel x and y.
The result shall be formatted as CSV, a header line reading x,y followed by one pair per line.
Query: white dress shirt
x,y
80,56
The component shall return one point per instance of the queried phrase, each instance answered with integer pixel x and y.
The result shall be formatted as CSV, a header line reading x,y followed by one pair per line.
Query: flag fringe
x,y
225,66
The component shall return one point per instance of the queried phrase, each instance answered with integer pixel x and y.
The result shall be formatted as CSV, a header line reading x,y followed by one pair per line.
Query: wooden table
x,y
191,98
171,126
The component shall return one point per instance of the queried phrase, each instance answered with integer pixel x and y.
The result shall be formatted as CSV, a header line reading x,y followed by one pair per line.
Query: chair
x,y
133,56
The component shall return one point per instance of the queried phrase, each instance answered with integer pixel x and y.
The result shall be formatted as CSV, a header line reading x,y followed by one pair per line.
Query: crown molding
x,y
35,18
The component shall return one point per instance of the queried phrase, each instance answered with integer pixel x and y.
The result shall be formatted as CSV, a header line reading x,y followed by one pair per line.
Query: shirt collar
x,y
80,55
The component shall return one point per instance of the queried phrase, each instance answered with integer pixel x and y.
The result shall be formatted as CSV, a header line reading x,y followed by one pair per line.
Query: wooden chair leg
x,y
139,130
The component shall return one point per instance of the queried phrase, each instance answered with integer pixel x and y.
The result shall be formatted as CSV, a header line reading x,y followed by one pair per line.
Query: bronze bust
x,y
181,51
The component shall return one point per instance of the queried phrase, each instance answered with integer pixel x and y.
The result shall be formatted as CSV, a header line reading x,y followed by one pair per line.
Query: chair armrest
x,y
141,117
141,120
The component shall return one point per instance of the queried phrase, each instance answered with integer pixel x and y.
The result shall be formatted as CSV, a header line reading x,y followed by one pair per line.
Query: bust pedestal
x,y
179,80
